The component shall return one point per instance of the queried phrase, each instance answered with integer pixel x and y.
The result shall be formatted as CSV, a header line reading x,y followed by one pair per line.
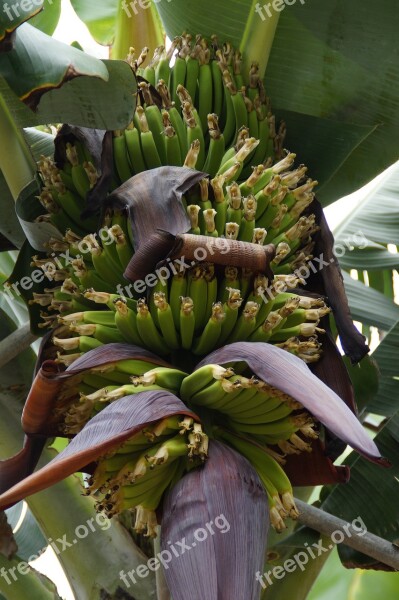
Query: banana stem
x,y
137,27
16,162
258,36
368,543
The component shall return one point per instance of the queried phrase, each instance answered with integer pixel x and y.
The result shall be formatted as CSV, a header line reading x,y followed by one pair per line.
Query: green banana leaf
x,y
335,582
99,16
365,379
12,15
297,581
40,142
47,19
320,145
43,15
330,60
370,306
65,85
376,218
371,494
10,227
386,401
19,277
366,234
123,25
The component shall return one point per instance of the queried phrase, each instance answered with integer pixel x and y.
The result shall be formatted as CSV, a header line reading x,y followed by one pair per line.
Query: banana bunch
x,y
273,477
136,474
197,311
251,406
263,424
195,113
63,192
207,112
84,395
247,198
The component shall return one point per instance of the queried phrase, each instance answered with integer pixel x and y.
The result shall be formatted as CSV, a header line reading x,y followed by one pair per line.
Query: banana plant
x,y
145,386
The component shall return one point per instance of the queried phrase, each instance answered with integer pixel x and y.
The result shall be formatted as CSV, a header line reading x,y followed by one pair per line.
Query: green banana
x,y
134,150
178,290
154,121
126,322
201,378
166,322
231,308
98,317
187,322
246,323
121,159
284,427
216,147
148,146
102,333
198,290
209,337
163,376
205,88
148,330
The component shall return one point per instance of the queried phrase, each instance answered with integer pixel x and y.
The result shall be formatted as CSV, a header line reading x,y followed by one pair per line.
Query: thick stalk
x,y
258,36
137,27
16,162
368,543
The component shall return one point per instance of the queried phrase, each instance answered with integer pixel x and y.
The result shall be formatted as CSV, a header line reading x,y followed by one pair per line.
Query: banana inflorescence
x,y
196,113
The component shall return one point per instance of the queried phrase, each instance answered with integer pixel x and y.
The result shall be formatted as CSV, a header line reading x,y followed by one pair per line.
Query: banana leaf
x,y
122,24
369,306
11,17
99,16
335,582
89,98
47,20
386,400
